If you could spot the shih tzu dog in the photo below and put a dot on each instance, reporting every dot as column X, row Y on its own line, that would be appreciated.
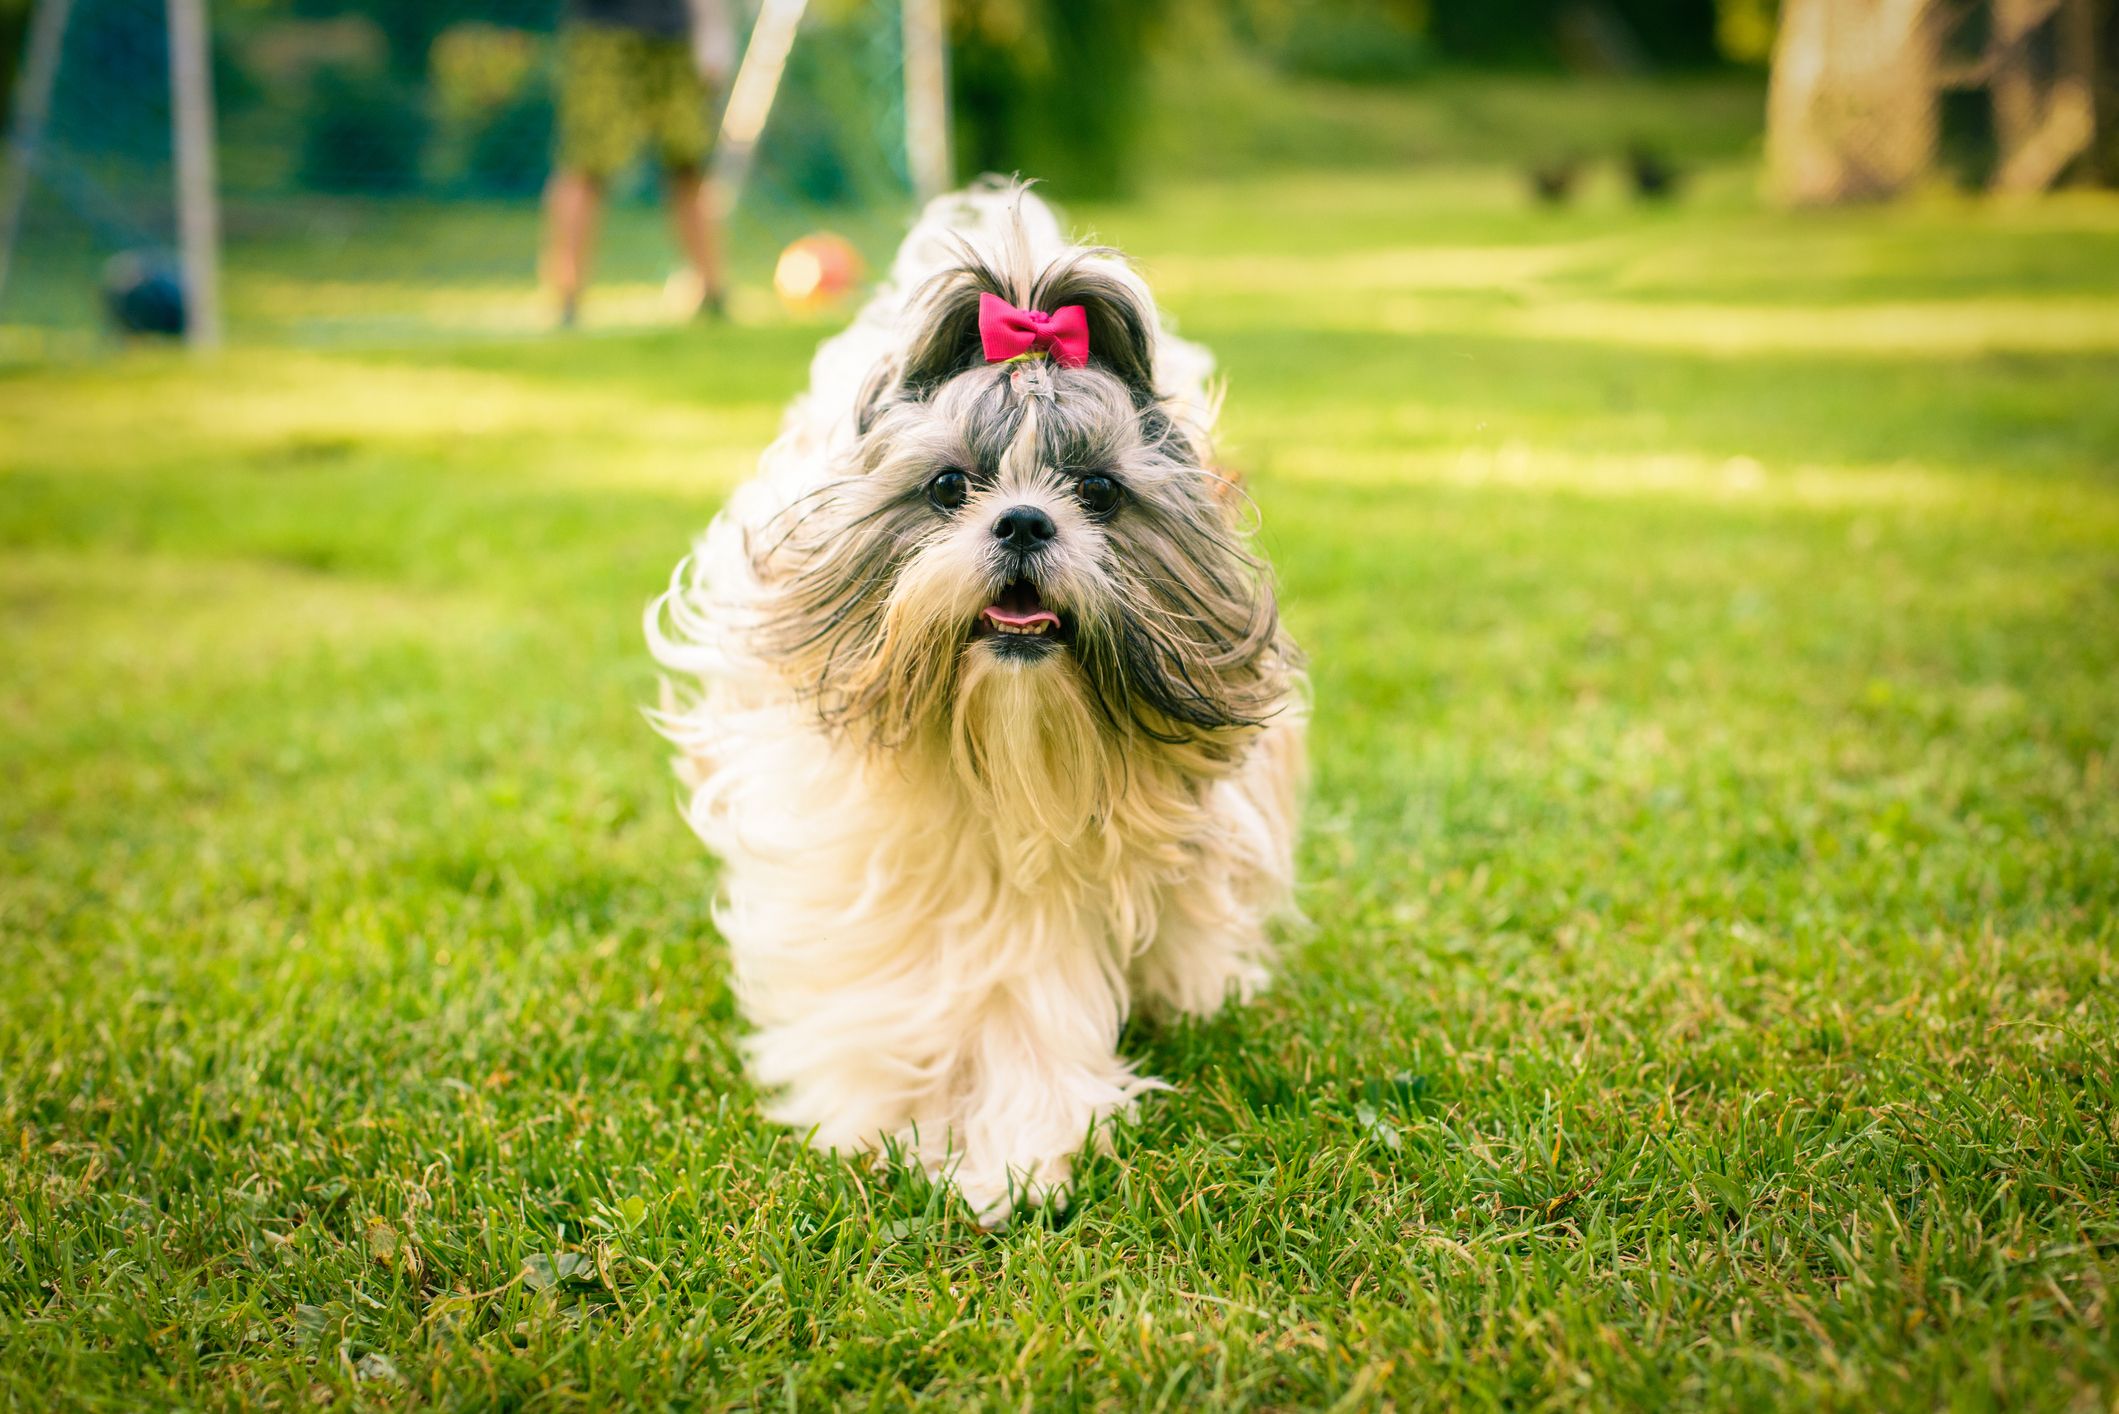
column 982, row 699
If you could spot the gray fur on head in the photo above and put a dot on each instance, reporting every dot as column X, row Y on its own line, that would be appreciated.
column 1171, row 617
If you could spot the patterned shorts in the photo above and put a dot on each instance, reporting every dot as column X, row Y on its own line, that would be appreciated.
column 618, row 89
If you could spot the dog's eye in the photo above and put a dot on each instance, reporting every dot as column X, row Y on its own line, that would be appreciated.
column 949, row 490
column 1099, row 494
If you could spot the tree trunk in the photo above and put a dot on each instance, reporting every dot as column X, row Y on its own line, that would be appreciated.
column 1851, row 110
column 2043, row 90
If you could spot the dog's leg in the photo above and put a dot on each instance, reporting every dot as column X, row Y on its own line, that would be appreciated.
column 995, row 1083
column 1211, row 943
column 852, row 1087
column 1210, row 948
column 1042, row 1075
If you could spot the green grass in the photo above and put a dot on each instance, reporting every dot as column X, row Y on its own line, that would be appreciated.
column 1221, row 111
column 1713, row 859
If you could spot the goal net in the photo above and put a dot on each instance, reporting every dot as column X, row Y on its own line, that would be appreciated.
column 380, row 164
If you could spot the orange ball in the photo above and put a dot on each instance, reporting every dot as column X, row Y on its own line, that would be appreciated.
column 816, row 271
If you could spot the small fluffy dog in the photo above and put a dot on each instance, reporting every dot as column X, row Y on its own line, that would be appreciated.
column 982, row 699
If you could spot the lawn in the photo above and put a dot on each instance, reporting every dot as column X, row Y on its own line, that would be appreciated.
column 1711, row 996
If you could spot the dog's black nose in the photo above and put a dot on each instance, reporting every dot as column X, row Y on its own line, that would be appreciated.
column 1024, row 528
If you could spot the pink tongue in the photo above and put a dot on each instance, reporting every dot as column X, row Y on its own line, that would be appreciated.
column 1019, row 619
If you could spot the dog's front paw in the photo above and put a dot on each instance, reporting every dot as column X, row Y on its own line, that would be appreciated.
column 1199, row 982
column 995, row 1194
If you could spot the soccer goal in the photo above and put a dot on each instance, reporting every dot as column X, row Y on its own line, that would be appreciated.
column 311, row 171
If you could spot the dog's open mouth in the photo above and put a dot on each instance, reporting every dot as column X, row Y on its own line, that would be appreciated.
column 1018, row 617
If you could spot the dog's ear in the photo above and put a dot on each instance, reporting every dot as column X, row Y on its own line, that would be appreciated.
column 876, row 390
column 946, row 341
column 1122, row 321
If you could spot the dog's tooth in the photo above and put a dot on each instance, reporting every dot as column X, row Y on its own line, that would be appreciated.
column 1043, row 628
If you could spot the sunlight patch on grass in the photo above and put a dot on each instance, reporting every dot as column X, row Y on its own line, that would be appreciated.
column 1943, row 329
column 299, row 305
column 1539, row 469
column 1898, row 329
column 111, row 627
column 1398, row 270
column 1974, row 248
column 302, row 407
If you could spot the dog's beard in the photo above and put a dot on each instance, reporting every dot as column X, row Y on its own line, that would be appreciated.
column 1048, row 677
column 1035, row 755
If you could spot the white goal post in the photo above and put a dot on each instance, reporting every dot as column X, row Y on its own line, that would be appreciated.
column 198, row 201
column 197, row 198
column 68, row 39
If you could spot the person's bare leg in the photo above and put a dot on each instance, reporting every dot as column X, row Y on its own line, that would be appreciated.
column 572, row 202
column 691, row 203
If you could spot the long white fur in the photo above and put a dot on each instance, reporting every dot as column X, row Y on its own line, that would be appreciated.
column 938, row 952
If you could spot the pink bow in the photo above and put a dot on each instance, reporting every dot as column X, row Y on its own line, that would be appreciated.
column 1007, row 331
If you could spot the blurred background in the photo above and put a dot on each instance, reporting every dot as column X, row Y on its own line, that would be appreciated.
column 377, row 163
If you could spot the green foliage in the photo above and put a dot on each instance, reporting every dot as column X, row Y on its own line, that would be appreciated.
column 1669, row 33
column 511, row 146
column 362, row 131
column 1361, row 44
column 492, row 86
column 1051, row 88
column 1713, row 858
column 1744, row 29
column 1361, row 41
column 14, row 34
column 1227, row 111
column 410, row 27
